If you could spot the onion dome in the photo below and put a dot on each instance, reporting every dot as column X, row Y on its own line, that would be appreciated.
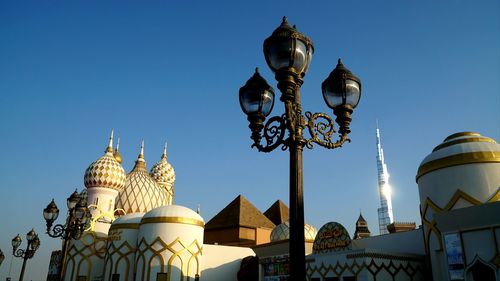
column 162, row 172
column 116, row 154
column 106, row 171
column 282, row 232
column 460, row 149
column 141, row 192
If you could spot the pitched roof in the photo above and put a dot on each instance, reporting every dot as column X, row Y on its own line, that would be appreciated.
column 240, row 212
column 278, row 213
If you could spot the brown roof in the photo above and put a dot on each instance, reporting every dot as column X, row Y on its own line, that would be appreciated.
column 278, row 213
column 240, row 212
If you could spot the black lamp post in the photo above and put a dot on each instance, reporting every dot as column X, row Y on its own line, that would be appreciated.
column 33, row 245
column 2, row 257
column 288, row 53
column 77, row 221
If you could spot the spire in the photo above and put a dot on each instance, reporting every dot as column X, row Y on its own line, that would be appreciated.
column 385, row 216
column 141, row 155
column 198, row 209
column 110, row 143
column 140, row 163
column 116, row 154
column 164, row 155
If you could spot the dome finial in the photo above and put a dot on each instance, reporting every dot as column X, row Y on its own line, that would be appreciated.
column 141, row 155
column 116, row 154
column 164, row 155
column 110, row 143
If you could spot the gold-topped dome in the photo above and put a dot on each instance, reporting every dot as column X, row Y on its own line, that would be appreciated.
column 106, row 171
column 162, row 172
column 141, row 192
column 460, row 149
column 117, row 154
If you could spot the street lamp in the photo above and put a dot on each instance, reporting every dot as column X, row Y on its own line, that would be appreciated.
column 288, row 53
column 77, row 221
column 33, row 245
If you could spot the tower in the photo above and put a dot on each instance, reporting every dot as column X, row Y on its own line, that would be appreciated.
column 362, row 230
column 385, row 216
column 104, row 179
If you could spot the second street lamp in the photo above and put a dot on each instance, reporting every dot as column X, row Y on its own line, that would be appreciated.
column 76, row 222
column 31, row 247
column 288, row 53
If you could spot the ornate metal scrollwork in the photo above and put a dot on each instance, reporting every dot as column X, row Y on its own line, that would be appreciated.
column 321, row 128
column 274, row 134
column 56, row 231
column 27, row 254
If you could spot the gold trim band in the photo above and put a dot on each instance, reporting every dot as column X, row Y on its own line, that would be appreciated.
column 462, row 134
column 124, row 226
column 450, row 143
column 459, row 159
column 173, row 220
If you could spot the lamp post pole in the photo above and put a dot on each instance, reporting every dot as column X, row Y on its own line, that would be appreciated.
column 288, row 54
column 76, row 222
column 31, row 247
column 2, row 257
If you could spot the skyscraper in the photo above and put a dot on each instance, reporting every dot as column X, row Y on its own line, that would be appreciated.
column 385, row 216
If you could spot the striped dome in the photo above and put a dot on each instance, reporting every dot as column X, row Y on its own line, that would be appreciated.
column 282, row 232
column 141, row 192
column 460, row 149
column 105, row 172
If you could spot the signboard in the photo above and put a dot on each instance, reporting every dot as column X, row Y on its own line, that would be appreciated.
column 454, row 255
column 332, row 237
column 276, row 268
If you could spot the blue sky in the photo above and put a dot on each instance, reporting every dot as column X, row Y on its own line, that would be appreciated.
column 170, row 71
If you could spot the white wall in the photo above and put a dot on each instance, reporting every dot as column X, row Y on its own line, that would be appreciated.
column 222, row 262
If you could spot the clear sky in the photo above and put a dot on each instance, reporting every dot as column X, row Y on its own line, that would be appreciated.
column 171, row 70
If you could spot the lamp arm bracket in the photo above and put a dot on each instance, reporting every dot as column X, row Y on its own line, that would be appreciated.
column 321, row 129
column 57, row 231
column 274, row 134
column 19, row 253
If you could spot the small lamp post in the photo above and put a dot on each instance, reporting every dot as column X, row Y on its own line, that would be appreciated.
column 2, row 257
column 288, row 53
column 29, row 252
column 77, row 221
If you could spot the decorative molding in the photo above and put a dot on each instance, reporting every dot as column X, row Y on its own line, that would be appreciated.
column 76, row 257
column 181, row 220
column 146, row 253
column 115, row 255
column 125, row 226
column 430, row 225
column 372, row 267
column 458, row 159
column 466, row 140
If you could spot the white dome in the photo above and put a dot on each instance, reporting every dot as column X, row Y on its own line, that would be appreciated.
column 282, row 232
column 128, row 219
column 173, row 214
column 459, row 149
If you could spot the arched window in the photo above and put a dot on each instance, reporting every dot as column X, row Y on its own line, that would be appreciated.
column 480, row 272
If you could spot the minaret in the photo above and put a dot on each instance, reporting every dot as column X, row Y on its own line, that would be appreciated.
column 385, row 216
column 104, row 180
